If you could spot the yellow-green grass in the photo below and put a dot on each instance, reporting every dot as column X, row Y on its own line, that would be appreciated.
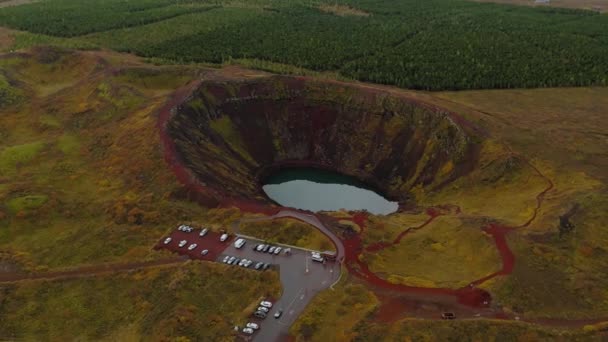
column 333, row 314
column 445, row 253
column 468, row 330
column 12, row 158
column 92, row 151
column 164, row 303
column 387, row 228
column 288, row 231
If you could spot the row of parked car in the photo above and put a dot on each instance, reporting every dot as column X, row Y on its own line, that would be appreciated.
column 183, row 243
column 276, row 250
column 232, row 260
column 188, row 229
column 264, row 309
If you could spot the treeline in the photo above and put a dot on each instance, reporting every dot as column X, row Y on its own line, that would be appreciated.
column 431, row 45
column 69, row 18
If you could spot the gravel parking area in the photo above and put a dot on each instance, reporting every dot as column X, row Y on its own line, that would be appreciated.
column 211, row 242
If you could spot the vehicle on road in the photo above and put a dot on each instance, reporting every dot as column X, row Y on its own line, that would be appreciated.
column 260, row 314
column 226, row 258
column 253, row 326
column 204, row 252
column 448, row 315
column 316, row 256
column 278, row 313
column 239, row 243
column 167, row 240
column 263, row 309
column 203, row 232
column 192, row 246
column 277, row 250
column 248, row 331
column 182, row 243
column 223, row 237
column 258, row 265
column 271, row 250
column 266, row 304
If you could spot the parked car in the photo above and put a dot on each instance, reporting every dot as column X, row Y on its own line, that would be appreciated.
column 260, row 247
column 448, row 315
column 266, row 304
column 255, row 248
column 237, row 261
column 253, row 326
column 224, row 237
column 263, row 309
column 182, row 243
column 248, row 263
column 271, row 250
column 203, row 232
column 239, row 243
column 316, row 256
column 260, row 314
column 231, row 260
column 242, row 262
column 266, row 266
column 259, row 265
column 192, row 246
column 204, row 252
column 248, row 331
column 277, row 250
column 185, row 228
column 226, row 258
column 167, row 240
column 287, row 251
column 278, row 313
column 266, row 248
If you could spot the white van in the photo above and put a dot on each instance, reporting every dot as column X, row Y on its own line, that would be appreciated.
column 239, row 243
column 316, row 256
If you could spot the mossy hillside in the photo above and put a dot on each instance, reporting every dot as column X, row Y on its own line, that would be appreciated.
column 95, row 158
column 162, row 303
column 459, row 252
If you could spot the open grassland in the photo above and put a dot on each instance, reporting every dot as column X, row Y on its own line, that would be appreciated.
column 595, row 5
column 431, row 45
column 332, row 315
column 460, row 253
column 288, row 231
column 169, row 303
column 80, row 164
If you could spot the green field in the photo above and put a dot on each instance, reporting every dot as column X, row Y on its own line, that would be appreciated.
column 431, row 45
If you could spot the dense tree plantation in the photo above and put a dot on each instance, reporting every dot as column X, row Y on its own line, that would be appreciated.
column 68, row 18
column 432, row 45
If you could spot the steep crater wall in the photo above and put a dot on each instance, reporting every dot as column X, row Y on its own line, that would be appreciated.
column 232, row 134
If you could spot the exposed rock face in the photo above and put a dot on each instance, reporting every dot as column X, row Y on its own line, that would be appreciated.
column 230, row 135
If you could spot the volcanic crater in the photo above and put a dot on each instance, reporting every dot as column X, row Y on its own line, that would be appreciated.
column 230, row 135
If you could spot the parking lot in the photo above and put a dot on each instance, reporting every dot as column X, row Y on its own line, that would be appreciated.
column 210, row 242
column 301, row 277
